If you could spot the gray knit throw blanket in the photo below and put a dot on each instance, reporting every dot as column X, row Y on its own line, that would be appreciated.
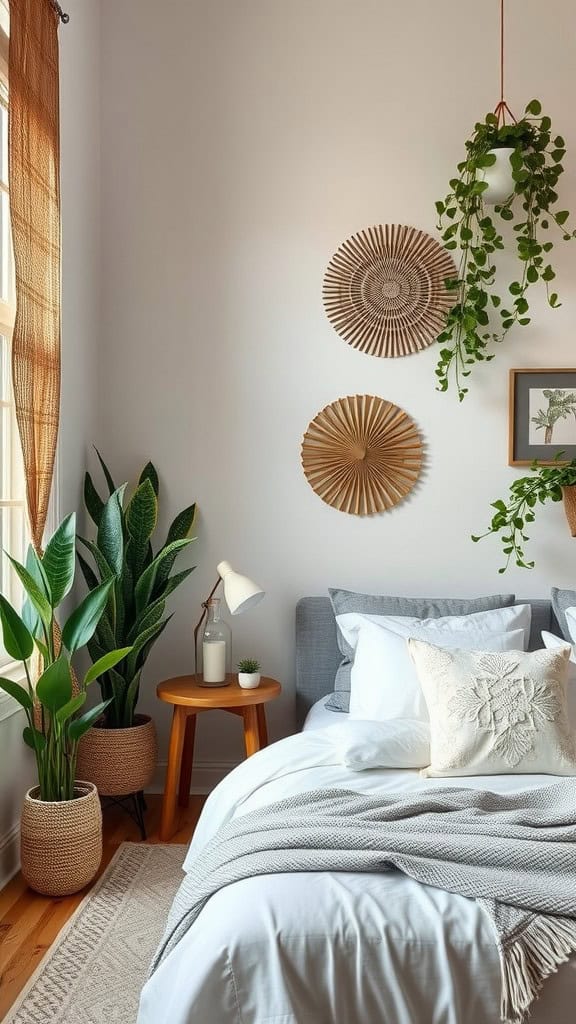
column 515, row 854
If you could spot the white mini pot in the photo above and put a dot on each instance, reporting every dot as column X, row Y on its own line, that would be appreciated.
column 498, row 176
column 248, row 680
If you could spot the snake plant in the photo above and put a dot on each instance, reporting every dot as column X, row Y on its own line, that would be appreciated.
column 52, row 706
column 140, row 581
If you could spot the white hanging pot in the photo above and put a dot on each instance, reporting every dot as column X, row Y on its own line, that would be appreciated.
column 499, row 177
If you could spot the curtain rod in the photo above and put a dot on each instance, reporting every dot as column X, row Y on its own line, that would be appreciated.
column 64, row 18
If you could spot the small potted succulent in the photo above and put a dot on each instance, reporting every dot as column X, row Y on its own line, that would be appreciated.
column 555, row 482
column 248, row 673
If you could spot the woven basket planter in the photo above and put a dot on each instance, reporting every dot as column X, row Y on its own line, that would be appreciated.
column 61, row 842
column 569, row 495
column 119, row 761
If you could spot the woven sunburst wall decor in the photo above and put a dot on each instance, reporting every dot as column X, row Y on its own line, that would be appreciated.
column 384, row 290
column 362, row 454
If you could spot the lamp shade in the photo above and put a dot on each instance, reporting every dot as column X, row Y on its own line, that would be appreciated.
column 240, row 593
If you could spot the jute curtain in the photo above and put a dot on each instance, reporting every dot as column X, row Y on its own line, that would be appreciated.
column 34, row 179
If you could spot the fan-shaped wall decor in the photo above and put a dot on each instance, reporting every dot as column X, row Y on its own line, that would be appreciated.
column 362, row 454
column 385, row 292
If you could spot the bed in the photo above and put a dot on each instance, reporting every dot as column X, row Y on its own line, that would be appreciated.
column 336, row 948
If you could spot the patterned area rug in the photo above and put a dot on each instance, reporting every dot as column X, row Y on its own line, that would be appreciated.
column 94, row 972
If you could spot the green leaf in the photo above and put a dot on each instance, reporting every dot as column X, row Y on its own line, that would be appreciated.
column 17, row 692
column 70, row 708
column 106, row 471
column 59, row 560
column 147, row 581
column 143, row 641
column 34, row 739
column 562, row 216
column 141, row 519
column 54, row 687
column 174, row 581
column 532, row 275
column 18, row 640
column 104, row 664
column 110, row 539
column 92, row 500
column 80, row 725
column 81, row 625
column 181, row 525
column 37, row 597
column 101, row 563
column 534, row 107
column 88, row 573
column 149, row 473
column 149, row 617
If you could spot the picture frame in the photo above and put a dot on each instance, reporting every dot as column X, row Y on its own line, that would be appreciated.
column 542, row 416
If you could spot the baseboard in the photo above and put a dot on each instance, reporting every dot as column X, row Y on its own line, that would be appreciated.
column 205, row 776
column 9, row 854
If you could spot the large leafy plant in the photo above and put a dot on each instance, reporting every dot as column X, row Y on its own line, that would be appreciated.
column 140, row 581
column 468, row 227
column 52, row 707
column 513, row 516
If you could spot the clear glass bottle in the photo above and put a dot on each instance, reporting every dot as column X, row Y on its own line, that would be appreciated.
column 216, row 647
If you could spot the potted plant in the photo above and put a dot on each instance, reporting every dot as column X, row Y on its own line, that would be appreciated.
column 527, row 158
column 61, row 827
column 547, row 483
column 248, row 673
column 119, row 754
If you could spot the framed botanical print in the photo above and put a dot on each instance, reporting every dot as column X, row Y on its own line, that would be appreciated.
column 542, row 416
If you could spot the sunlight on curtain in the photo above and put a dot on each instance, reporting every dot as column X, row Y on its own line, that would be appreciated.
column 34, row 175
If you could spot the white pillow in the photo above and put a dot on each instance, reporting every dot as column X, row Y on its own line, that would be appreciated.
column 496, row 714
column 383, row 680
column 497, row 620
column 399, row 744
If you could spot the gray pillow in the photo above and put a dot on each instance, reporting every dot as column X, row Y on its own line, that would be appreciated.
column 561, row 600
column 420, row 607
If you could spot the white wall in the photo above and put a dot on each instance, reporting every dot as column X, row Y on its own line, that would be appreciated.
column 80, row 134
column 242, row 142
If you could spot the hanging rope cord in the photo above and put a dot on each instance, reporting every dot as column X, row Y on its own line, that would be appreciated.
column 502, row 107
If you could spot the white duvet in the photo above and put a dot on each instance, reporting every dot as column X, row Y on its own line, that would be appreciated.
column 335, row 948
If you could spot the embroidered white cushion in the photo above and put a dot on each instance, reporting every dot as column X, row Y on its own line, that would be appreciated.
column 383, row 680
column 553, row 642
column 496, row 713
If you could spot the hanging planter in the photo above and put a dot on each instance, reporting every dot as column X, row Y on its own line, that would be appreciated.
column 554, row 482
column 513, row 167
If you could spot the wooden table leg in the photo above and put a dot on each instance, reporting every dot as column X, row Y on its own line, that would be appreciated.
column 251, row 734
column 262, row 728
column 168, row 819
column 187, row 760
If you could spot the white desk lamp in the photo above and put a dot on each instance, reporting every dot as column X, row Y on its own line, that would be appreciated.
column 240, row 594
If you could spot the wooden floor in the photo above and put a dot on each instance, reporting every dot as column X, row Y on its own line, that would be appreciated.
column 30, row 923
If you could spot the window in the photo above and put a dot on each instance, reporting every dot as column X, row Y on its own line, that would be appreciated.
column 12, row 490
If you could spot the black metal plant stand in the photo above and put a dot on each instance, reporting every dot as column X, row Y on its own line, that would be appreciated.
column 133, row 804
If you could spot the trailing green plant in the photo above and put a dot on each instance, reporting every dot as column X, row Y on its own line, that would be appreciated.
column 249, row 665
column 141, row 581
column 51, row 706
column 528, row 492
column 467, row 226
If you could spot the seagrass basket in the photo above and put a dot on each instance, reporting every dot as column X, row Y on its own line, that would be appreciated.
column 569, row 495
column 119, row 761
column 61, row 841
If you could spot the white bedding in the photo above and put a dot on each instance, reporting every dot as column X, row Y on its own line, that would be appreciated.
column 319, row 716
column 335, row 948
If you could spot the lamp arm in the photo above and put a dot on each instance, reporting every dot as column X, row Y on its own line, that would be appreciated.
column 201, row 620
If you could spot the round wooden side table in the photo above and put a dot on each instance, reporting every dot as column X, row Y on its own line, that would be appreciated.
column 189, row 698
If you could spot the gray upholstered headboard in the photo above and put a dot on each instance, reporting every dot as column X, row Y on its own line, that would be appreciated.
column 318, row 657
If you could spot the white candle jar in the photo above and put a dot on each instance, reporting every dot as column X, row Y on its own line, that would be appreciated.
column 216, row 647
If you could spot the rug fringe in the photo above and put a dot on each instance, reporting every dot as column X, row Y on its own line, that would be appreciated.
column 535, row 953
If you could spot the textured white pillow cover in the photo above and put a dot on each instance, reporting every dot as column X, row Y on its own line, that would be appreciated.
column 384, row 683
column 496, row 713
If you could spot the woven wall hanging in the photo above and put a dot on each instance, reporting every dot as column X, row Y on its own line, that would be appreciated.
column 362, row 454
column 384, row 290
